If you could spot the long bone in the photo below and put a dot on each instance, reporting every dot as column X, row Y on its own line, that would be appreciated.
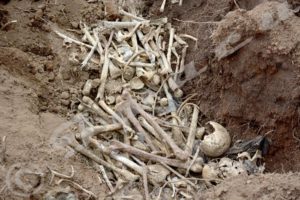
column 81, row 149
column 87, row 100
column 116, row 145
column 115, row 116
column 125, row 108
column 178, row 152
column 104, row 73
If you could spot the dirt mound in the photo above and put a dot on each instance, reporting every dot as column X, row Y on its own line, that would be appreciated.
column 269, row 186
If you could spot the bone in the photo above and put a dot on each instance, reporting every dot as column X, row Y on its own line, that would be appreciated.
column 71, row 39
column 192, row 133
column 131, row 33
column 162, row 7
column 125, row 108
column 89, row 56
column 171, row 38
column 96, row 108
column 178, row 93
column 115, row 116
column 106, row 179
column 114, row 71
column 166, row 68
column 81, row 149
column 120, row 25
column 104, row 73
column 87, row 87
column 95, row 130
column 143, row 154
column 178, row 152
column 123, row 12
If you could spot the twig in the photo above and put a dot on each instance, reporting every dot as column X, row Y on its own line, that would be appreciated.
column 55, row 173
column 78, row 186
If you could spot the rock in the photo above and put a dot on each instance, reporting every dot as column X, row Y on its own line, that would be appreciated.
column 65, row 102
column 65, row 95
column 74, row 25
column 51, row 76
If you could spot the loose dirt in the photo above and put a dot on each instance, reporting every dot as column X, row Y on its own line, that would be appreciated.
column 251, row 92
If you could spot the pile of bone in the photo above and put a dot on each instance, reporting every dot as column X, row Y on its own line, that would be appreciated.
column 135, row 116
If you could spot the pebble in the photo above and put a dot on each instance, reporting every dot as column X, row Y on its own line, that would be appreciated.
column 51, row 76
column 74, row 25
column 65, row 102
column 65, row 95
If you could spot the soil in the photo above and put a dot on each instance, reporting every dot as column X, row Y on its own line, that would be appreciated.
column 251, row 92
column 269, row 186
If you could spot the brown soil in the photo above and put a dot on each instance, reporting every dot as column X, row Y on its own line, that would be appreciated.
column 251, row 92
column 269, row 186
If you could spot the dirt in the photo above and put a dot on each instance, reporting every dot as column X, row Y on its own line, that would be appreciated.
column 251, row 92
column 269, row 186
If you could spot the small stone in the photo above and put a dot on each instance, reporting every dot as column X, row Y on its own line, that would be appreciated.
column 51, row 76
column 65, row 95
column 74, row 25
column 73, row 91
column 65, row 102
column 248, row 182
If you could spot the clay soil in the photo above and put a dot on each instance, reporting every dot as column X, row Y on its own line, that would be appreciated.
column 251, row 92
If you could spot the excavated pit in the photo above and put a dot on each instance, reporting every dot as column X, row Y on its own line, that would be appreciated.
column 253, row 91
